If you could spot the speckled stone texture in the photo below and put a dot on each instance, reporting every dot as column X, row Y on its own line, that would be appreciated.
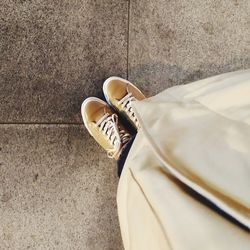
column 57, row 187
column 55, row 53
column 179, row 41
column 56, row 190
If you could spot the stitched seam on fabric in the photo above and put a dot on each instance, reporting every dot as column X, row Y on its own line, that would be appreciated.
column 126, row 169
column 157, row 218
column 127, row 231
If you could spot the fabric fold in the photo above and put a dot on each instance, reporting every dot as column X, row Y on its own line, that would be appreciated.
column 193, row 136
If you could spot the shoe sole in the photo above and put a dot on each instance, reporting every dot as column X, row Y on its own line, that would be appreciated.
column 85, row 102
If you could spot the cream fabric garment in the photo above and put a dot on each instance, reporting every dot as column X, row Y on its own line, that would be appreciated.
column 194, row 143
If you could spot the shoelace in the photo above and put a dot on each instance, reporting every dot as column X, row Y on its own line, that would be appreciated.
column 108, row 125
column 125, row 102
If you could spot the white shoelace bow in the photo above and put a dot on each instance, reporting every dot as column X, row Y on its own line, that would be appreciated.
column 108, row 125
column 126, row 104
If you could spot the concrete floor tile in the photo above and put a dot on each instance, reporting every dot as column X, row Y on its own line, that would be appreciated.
column 56, row 53
column 176, row 42
column 57, row 190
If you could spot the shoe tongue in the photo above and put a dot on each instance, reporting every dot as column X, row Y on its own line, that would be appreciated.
column 122, row 92
column 129, row 89
column 135, row 93
column 101, row 112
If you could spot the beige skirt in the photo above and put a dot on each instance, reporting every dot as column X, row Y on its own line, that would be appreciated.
column 186, row 181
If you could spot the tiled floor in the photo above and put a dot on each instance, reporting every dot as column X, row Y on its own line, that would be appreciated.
column 57, row 187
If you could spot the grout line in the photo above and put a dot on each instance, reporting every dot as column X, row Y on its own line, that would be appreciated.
column 79, row 124
column 128, row 22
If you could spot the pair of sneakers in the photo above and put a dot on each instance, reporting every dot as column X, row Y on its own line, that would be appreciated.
column 102, row 121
